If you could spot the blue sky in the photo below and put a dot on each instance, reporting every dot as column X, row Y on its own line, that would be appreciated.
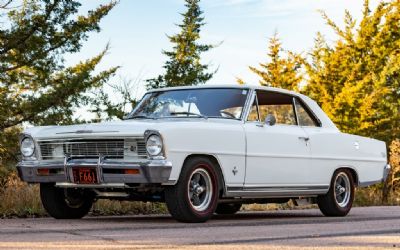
column 137, row 32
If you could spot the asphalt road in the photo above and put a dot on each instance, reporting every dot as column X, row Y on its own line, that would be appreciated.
column 363, row 228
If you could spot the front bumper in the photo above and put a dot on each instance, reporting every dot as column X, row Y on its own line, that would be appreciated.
column 109, row 171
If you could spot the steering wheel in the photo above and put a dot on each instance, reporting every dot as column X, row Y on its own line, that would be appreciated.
column 226, row 113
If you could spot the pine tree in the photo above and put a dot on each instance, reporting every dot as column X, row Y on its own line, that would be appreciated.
column 35, row 85
column 281, row 71
column 356, row 80
column 183, row 66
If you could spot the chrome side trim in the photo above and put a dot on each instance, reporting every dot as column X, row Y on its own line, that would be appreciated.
column 276, row 191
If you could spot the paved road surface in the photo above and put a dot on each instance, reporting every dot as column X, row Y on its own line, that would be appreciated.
column 363, row 228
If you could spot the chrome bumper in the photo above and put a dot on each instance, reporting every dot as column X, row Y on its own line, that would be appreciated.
column 150, row 171
column 386, row 171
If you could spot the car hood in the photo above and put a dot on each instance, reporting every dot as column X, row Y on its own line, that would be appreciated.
column 120, row 128
column 104, row 129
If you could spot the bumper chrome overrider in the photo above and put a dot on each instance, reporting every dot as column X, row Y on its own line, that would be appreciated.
column 150, row 171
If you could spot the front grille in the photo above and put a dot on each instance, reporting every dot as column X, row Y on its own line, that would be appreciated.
column 141, row 147
column 111, row 148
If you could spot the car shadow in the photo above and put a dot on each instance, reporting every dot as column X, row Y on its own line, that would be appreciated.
column 241, row 216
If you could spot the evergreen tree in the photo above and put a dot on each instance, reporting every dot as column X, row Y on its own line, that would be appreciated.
column 35, row 85
column 281, row 71
column 356, row 80
column 183, row 66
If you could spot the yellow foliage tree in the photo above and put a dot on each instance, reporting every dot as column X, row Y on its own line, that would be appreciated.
column 283, row 68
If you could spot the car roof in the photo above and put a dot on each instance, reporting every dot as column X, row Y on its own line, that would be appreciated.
column 320, row 114
column 236, row 86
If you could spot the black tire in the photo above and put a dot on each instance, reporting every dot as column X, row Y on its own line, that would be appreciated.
column 181, row 201
column 228, row 208
column 338, row 201
column 63, row 203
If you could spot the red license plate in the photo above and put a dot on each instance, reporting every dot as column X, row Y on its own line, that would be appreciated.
column 85, row 175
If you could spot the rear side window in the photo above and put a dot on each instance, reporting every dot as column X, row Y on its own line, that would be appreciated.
column 304, row 116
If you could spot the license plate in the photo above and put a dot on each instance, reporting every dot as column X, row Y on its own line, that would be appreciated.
column 85, row 175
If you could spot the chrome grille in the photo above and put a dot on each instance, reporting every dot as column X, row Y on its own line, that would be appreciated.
column 112, row 148
column 141, row 146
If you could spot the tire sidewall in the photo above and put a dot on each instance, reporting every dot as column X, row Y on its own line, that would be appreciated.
column 208, row 166
column 347, row 208
column 53, row 200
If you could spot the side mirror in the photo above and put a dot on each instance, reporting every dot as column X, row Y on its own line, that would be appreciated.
column 270, row 120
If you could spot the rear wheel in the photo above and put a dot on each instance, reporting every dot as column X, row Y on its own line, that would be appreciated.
column 194, row 198
column 339, row 199
column 63, row 203
column 228, row 208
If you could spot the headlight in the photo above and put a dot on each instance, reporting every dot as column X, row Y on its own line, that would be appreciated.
column 27, row 147
column 154, row 145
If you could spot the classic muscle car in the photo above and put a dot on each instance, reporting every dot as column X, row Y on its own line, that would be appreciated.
column 203, row 150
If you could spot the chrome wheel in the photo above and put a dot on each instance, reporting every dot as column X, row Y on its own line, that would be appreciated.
column 342, row 189
column 200, row 190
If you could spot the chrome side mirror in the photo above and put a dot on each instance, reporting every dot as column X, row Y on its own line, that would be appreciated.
column 270, row 120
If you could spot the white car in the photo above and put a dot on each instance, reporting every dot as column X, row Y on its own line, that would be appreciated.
column 203, row 150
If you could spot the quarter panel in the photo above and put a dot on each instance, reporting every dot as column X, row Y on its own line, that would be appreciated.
column 332, row 150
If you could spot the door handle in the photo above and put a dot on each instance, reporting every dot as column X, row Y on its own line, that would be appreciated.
column 304, row 138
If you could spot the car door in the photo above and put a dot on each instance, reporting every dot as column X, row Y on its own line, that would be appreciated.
column 277, row 156
column 324, row 144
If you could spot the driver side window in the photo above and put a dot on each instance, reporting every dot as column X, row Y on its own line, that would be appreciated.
column 273, row 103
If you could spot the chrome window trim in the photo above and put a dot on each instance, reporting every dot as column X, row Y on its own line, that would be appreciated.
column 248, row 89
column 248, row 105
column 309, row 111
column 254, row 96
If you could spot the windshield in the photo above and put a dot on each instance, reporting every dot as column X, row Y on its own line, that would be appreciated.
column 225, row 103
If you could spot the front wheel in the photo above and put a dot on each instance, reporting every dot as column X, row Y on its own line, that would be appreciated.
column 62, row 203
column 194, row 198
column 339, row 199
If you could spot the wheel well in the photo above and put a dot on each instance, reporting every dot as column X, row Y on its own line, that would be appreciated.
column 221, row 179
column 353, row 173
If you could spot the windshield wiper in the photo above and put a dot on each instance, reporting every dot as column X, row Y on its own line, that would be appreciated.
column 188, row 114
column 140, row 117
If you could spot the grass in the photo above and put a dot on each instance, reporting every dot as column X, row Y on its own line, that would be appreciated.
column 372, row 196
column 19, row 199
column 22, row 200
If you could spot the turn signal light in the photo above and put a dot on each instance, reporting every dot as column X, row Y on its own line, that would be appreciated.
column 131, row 171
column 43, row 171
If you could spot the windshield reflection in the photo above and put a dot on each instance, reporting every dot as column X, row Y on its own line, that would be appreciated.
column 226, row 103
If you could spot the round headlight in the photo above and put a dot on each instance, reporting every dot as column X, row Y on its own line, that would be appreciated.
column 27, row 147
column 154, row 145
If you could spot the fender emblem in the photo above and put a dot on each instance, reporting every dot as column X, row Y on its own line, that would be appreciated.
column 234, row 170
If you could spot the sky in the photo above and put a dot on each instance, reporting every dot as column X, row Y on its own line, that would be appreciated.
column 136, row 31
